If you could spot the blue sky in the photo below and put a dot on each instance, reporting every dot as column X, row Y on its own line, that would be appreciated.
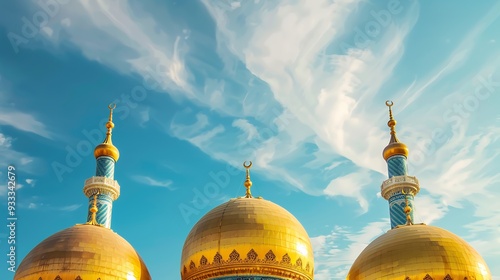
column 298, row 87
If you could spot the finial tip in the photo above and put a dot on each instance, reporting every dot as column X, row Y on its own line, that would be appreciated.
column 247, row 166
column 389, row 103
column 112, row 106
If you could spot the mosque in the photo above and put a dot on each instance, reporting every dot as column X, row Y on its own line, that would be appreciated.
column 250, row 238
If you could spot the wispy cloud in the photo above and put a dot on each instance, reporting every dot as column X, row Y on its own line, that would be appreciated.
column 144, row 116
column 5, row 141
column 34, row 204
column 30, row 182
column 13, row 157
column 12, row 116
column 149, row 181
column 335, row 252
column 70, row 208
column 325, row 97
column 456, row 59
column 126, row 39
column 350, row 185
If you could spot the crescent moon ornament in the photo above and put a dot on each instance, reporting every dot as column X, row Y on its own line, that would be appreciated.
column 247, row 166
column 112, row 106
column 389, row 103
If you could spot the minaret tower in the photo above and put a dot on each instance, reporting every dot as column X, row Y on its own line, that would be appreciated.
column 400, row 188
column 102, row 189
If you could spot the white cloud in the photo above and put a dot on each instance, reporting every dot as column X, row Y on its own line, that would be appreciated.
column 146, row 180
column 335, row 252
column 5, row 141
column 128, row 40
column 247, row 128
column 23, row 121
column 350, row 185
column 48, row 31
column 70, row 208
column 14, row 158
column 31, row 182
column 66, row 22
column 428, row 209
column 144, row 116
column 323, row 95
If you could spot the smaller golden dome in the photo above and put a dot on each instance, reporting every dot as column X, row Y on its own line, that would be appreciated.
column 395, row 147
column 106, row 148
column 85, row 251
column 415, row 251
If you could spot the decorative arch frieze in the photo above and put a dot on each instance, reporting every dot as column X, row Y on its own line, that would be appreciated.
column 280, row 266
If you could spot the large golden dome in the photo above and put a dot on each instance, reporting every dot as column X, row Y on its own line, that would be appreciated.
column 247, row 236
column 419, row 252
column 85, row 251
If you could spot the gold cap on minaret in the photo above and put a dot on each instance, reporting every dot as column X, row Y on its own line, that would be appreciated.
column 106, row 148
column 394, row 147
column 248, row 183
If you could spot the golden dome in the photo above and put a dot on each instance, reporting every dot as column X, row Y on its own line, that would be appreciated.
column 87, row 251
column 395, row 148
column 416, row 251
column 247, row 236
column 106, row 148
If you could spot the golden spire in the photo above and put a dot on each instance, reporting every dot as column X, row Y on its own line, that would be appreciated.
column 106, row 148
column 248, row 183
column 394, row 147
column 407, row 208
column 94, row 210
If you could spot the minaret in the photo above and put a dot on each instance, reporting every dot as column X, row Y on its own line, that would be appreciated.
column 102, row 189
column 400, row 189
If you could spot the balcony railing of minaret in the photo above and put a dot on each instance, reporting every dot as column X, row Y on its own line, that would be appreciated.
column 395, row 184
column 103, row 183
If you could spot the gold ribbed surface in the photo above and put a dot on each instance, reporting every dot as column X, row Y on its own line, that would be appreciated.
column 87, row 251
column 245, row 234
column 395, row 148
column 416, row 251
column 106, row 149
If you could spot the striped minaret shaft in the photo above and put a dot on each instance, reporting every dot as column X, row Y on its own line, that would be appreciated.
column 397, row 166
column 400, row 189
column 103, row 184
column 105, row 167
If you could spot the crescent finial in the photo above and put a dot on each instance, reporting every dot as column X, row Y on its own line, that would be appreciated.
column 248, row 182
